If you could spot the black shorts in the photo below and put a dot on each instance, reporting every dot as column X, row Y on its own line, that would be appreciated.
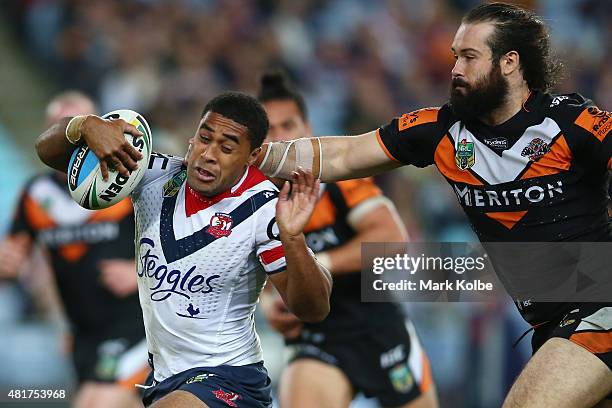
column 388, row 364
column 586, row 324
column 245, row 386
column 116, row 359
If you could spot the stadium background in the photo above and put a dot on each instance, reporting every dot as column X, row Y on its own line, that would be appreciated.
column 358, row 62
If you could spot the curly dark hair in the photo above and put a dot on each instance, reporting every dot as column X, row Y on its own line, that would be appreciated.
column 520, row 30
column 275, row 85
column 243, row 109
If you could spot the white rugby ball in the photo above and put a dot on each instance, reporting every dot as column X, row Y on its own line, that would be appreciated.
column 85, row 182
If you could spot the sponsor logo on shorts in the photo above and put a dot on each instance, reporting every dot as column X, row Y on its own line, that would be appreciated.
column 401, row 378
column 229, row 398
column 199, row 378
column 567, row 322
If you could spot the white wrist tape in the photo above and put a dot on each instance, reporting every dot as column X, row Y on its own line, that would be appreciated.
column 283, row 158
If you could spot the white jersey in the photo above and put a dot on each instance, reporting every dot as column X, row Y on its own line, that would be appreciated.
column 202, row 264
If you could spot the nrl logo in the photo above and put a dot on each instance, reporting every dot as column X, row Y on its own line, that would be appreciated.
column 173, row 185
column 535, row 149
column 220, row 225
column 465, row 157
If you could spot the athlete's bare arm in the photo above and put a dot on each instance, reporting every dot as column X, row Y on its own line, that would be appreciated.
column 104, row 138
column 330, row 158
column 305, row 286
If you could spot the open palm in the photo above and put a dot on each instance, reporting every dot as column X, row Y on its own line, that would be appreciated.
column 293, row 211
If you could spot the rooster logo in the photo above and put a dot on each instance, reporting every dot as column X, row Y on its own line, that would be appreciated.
column 220, row 225
column 193, row 311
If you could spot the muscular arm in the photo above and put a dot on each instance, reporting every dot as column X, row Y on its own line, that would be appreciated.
column 305, row 286
column 53, row 148
column 104, row 137
column 337, row 158
column 380, row 224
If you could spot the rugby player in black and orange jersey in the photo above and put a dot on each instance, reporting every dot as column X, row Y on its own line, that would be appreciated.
column 359, row 347
column 526, row 165
column 92, row 259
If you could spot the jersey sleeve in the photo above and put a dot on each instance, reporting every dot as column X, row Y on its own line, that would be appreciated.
column 269, row 248
column 412, row 138
column 360, row 197
column 592, row 129
column 159, row 165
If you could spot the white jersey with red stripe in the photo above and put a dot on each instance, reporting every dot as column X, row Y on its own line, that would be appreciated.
column 202, row 263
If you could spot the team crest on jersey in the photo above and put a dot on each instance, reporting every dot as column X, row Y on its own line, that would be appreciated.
column 465, row 157
column 401, row 378
column 220, row 225
column 535, row 149
column 173, row 185
column 229, row 398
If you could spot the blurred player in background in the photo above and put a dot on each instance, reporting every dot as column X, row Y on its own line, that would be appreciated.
column 91, row 256
column 211, row 230
column 360, row 347
column 500, row 139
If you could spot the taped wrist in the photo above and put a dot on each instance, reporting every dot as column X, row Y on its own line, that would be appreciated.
column 281, row 159
column 73, row 130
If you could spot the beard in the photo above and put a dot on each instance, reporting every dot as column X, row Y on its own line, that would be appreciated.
column 487, row 94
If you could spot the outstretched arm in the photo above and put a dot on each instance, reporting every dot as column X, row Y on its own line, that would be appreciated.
column 104, row 137
column 305, row 286
column 329, row 158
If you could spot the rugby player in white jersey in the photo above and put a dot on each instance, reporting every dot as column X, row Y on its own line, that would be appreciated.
column 210, row 229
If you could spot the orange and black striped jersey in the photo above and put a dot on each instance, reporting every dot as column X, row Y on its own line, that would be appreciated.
column 332, row 225
column 76, row 240
column 541, row 176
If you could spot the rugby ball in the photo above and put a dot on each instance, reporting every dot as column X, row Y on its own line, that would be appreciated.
column 85, row 182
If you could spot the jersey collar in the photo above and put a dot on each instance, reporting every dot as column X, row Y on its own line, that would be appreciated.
column 195, row 201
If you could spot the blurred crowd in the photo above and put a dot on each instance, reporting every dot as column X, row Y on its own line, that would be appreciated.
column 358, row 62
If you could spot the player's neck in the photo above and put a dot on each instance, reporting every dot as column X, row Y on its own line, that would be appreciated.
column 517, row 96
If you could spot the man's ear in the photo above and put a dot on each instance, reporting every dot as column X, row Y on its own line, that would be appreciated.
column 253, row 156
column 186, row 158
column 510, row 62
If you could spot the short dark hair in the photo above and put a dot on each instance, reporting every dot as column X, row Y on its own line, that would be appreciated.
column 243, row 109
column 520, row 30
column 275, row 85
